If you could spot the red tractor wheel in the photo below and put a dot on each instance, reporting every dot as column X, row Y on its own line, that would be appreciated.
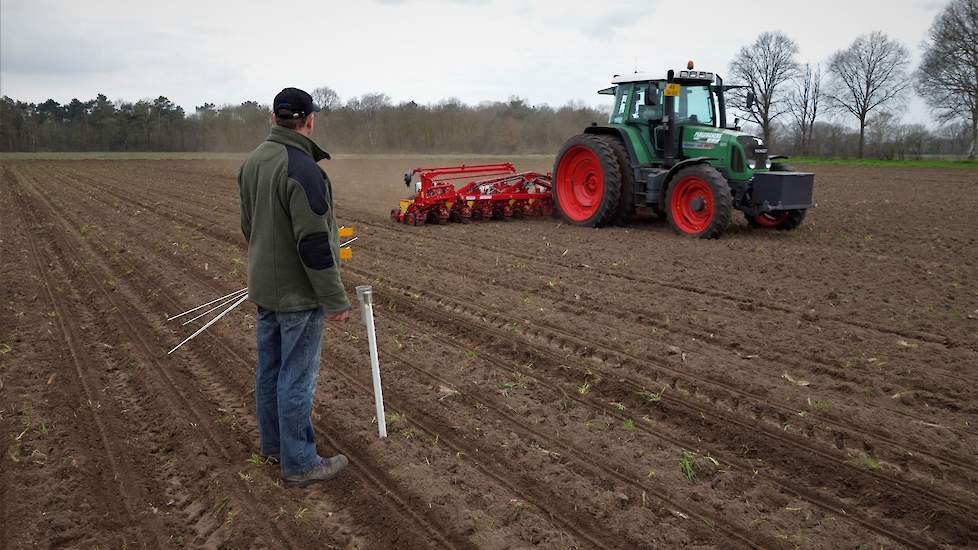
column 587, row 181
column 782, row 221
column 698, row 203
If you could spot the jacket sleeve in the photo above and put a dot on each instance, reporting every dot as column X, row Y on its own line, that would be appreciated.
column 313, row 236
column 245, row 210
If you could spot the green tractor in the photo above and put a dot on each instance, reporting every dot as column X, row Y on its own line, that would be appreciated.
column 667, row 146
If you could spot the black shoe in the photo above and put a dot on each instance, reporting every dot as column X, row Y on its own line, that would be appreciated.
column 325, row 471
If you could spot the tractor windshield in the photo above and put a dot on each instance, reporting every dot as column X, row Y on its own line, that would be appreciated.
column 695, row 105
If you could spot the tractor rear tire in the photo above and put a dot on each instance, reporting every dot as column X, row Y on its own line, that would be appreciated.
column 699, row 204
column 587, row 181
column 626, row 202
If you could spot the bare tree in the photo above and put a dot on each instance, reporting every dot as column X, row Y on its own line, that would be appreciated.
column 764, row 68
column 804, row 102
column 870, row 74
column 948, row 74
column 326, row 98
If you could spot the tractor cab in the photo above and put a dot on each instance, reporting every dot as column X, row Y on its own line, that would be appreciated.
column 665, row 110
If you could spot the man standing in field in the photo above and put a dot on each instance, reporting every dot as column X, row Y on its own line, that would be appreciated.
column 293, row 275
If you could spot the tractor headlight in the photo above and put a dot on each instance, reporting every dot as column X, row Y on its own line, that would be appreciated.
column 752, row 164
column 767, row 164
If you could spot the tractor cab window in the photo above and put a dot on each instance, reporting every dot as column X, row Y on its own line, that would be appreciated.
column 623, row 96
column 647, row 104
column 695, row 106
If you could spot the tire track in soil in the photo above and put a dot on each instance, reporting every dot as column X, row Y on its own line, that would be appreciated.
column 500, row 478
column 785, row 410
column 384, row 485
column 482, row 322
column 225, row 237
column 909, row 544
column 122, row 481
column 827, row 504
column 177, row 398
column 928, row 400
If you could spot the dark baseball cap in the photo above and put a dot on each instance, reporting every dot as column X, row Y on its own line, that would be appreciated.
column 293, row 103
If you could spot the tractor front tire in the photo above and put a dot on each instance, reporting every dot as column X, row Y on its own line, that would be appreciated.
column 587, row 181
column 786, row 220
column 699, row 204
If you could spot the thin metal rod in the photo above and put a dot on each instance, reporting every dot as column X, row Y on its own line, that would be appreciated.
column 211, row 322
column 365, row 294
column 349, row 241
column 245, row 289
column 215, row 308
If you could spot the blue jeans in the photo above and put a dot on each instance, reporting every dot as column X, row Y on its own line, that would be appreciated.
column 289, row 346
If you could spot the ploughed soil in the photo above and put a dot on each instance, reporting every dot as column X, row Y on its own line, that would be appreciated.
column 546, row 385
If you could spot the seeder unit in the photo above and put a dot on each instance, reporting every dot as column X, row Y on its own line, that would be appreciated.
column 490, row 192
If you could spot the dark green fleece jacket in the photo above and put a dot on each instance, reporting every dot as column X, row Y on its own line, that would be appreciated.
column 287, row 218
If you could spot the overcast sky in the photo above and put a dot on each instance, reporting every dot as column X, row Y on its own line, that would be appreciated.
column 422, row 50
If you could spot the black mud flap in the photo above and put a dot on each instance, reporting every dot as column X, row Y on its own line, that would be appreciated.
column 782, row 191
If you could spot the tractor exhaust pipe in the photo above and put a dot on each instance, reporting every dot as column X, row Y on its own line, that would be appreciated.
column 672, row 135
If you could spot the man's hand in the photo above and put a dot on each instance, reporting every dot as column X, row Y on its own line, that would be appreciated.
column 340, row 317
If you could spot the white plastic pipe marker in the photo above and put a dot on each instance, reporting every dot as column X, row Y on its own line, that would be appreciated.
column 365, row 294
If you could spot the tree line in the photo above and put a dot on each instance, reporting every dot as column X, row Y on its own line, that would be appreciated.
column 799, row 108
column 867, row 83
column 363, row 124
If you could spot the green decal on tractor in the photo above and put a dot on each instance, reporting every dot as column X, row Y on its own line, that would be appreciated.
column 667, row 146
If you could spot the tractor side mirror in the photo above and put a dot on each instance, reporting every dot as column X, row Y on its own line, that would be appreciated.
column 407, row 179
column 751, row 100
column 649, row 98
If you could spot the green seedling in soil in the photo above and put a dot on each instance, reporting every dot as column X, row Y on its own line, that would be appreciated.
column 257, row 460
column 818, row 404
column 629, row 424
column 471, row 354
column 651, row 396
column 229, row 519
column 410, row 433
column 245, row 476
column 686, row 465
column 220, row 506
column 5, row 348
column 869, row 463
column 43, row 428
column 617, row 405
column 551, row 283
column 393, row 418
column 84, row 229
column 584, row 388
column 300, row 513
